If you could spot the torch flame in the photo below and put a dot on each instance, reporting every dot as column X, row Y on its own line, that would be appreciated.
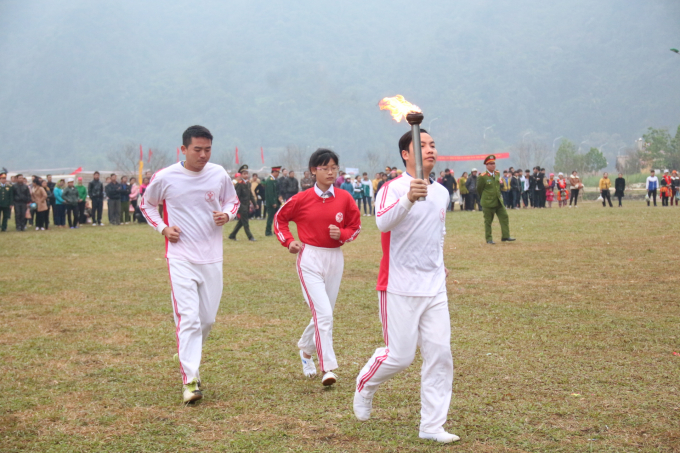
column 398, row 107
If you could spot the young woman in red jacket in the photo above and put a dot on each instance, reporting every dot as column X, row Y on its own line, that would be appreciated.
column 326, row 218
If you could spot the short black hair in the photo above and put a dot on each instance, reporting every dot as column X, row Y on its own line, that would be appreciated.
column 195, row 131
column 19, row 174
column 527, row 171
column 48, row 176
column 95, row 173
column 405, row 142
column 113, row 174
column 322, row 156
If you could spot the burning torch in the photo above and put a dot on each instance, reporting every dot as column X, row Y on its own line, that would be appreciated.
column 400, row 108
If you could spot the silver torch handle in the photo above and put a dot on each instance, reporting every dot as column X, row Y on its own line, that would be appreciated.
column 414, row 119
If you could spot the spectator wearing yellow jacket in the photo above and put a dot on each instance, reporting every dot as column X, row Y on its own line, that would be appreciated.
column 605, row 185
column 505, row 189
column 464, row 193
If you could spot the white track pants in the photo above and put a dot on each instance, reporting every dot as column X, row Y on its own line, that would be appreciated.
column 196, row 290
column 320, row 271
column 409, row 322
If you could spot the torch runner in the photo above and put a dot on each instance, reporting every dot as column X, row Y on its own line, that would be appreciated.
column 411, row 284
column 401, row 108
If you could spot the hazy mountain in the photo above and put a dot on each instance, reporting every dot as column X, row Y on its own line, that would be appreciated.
column 79, row 78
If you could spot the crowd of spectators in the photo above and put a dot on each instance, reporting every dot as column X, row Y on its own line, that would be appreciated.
column 74, row 204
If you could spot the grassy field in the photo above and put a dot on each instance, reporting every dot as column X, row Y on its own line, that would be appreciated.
column 563, row 341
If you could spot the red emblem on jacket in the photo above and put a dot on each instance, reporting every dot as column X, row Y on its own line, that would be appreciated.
column 338, row 217
column 209, row 196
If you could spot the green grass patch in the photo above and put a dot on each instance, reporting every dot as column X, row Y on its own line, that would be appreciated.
column 562, row 341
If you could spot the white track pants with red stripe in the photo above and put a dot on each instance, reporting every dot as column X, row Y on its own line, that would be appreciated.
column 408, row 322
column 320, row 271
column 196, row 293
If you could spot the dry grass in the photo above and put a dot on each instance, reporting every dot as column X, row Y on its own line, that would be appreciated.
column 562, row 341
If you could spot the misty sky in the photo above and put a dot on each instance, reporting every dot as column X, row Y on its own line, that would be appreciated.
column 79, row 79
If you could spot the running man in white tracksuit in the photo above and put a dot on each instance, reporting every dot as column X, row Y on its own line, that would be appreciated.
column 198, row 199
column 411, row 288
column 326, row 219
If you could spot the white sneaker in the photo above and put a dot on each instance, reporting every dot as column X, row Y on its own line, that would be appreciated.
column 191, row 392
column 308, row 367
column 37, row 228
column 329, row 378
column 362, row 406
column 439, row 437
column 42, row 229
column 570, row 206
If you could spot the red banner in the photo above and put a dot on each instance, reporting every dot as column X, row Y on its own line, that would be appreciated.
column 149, row 158
column 262, row 154
column 78, row 170
column 141, row 154
column 237, row 162
column 471, row 157
column 177, row 154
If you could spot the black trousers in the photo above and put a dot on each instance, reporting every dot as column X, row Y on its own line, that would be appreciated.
column 242, row 222
column 606, row 196
column 97, row 207
column 619, row 197
column 650, row 193
column 506, row 198
column 5, row 213
column 539, row 198
column 474, row 201
column 82, row 218
column 20, row 216
column 516, row 199
column 525, row 198
column 42, row 219
column 573, row 196
column 72, row 209
column 134, row 206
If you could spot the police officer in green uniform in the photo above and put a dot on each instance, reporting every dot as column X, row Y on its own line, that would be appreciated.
column 489, row 190
column 272, row 199
column 245, row 197
column 6, row 200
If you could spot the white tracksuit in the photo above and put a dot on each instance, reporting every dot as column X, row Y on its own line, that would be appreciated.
column 320, row 271
column 195, row 261
column 413, row 302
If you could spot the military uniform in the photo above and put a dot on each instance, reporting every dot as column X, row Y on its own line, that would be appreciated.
column 245, row 197
column 271, row 200
column 489, row 190
column 6, row 200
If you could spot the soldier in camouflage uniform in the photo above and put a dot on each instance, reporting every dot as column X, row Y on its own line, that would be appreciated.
column 245, row 197
column 272, row 198
column 489, row 190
